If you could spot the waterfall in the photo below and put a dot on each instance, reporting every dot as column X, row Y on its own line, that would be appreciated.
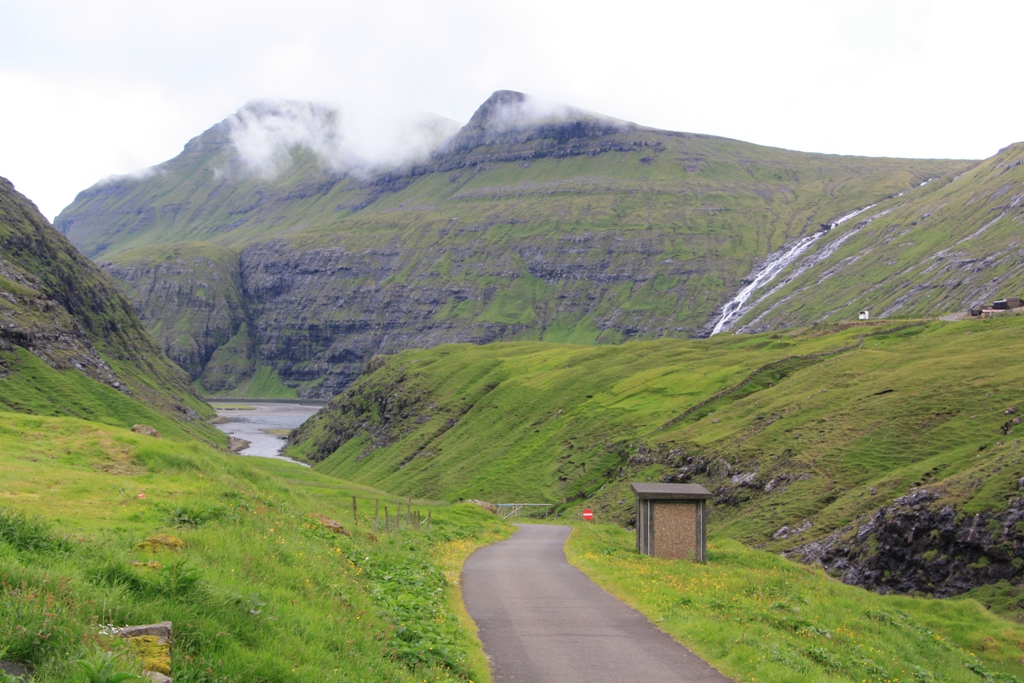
column 774, row 264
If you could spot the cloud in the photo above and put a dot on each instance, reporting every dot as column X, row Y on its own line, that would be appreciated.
column 137, row 175
column 346, row 139
column 507, row 110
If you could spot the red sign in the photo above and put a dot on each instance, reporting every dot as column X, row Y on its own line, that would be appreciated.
column 588, row 514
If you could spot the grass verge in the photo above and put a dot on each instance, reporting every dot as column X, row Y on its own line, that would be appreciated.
column 758, row 617
column 261, row 589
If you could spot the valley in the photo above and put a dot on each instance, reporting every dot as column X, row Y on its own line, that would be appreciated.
column 262, row 425
column 888, row 452
column 543, row 305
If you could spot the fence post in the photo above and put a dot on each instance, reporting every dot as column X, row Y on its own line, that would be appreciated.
column 387, row 521
column 355, row 510
column 376, row 515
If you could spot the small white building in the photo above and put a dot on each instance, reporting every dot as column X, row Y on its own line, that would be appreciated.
column 863, row 315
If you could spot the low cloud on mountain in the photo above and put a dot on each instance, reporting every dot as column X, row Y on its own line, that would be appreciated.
column 346, row 139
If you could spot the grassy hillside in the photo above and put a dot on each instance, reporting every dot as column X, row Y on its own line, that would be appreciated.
column 260, row 591
column 761, row 618
column 939, row 249
column 835, row 444
column 70, row 342
column 573, row 229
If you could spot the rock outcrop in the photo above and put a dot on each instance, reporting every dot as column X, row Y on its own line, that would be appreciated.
column 190, row 298
column 918, row 544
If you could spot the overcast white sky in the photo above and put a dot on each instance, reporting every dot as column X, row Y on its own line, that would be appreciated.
column 91, row 89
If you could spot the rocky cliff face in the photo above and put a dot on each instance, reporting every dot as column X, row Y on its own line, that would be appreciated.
column 58, row 306
column 190, row 298
column 322, row 313
column 532, row 222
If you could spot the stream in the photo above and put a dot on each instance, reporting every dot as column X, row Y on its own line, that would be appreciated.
column 773, row 265
column 263, row 423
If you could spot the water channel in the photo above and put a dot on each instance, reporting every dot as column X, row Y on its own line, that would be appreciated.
column 263, row 423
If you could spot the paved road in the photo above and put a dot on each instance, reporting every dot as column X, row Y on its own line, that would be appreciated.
column 543, row 621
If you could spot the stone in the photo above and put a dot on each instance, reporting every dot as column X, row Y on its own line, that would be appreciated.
column 162, row 630
column 158, row 677
column 20, row 672
column 745, row 479
column 331, row 524
column 153, row 643
column 785, row 532
column 146, row 430
column 161, row 542
column 490, row 507
column 236, row 445
column 916, row 544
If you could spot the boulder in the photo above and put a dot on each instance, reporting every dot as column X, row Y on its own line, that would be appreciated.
column 153, row 643
column 490, row 507
column 146, row 430
column 20, row 672
column 331, row 524
column 236, row 445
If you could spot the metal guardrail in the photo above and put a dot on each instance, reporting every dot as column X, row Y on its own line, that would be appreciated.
column 507, row 510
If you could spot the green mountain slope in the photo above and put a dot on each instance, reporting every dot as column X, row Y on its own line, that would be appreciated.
column 558, row 226
column 890, row 453
column 262, row 589
column 937, row 250
column 234, row 551
column 70, row 342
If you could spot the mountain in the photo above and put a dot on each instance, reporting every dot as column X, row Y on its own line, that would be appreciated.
column 70, row 342
column 890, row 453
column 269, row 254
column 941, row 249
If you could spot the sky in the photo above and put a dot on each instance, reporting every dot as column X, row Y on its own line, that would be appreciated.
column 89, row 90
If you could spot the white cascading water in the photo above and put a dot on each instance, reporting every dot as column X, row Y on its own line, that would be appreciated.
column 774, row 265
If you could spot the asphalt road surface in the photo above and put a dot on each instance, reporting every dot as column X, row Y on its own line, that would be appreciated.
column 542, row 620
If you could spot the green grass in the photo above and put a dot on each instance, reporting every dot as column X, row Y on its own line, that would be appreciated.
column 35, row 388
column 526, row 420
column 758, row 617
column 63, row 315
column 264, row 383
column 818, row 430
column 260, row 592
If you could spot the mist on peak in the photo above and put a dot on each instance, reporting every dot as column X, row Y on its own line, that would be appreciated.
column 347, row 139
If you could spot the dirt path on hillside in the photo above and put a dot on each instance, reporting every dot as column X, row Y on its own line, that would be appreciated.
column 543, row 621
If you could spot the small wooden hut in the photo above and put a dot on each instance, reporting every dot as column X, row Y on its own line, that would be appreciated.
column 671, row 520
